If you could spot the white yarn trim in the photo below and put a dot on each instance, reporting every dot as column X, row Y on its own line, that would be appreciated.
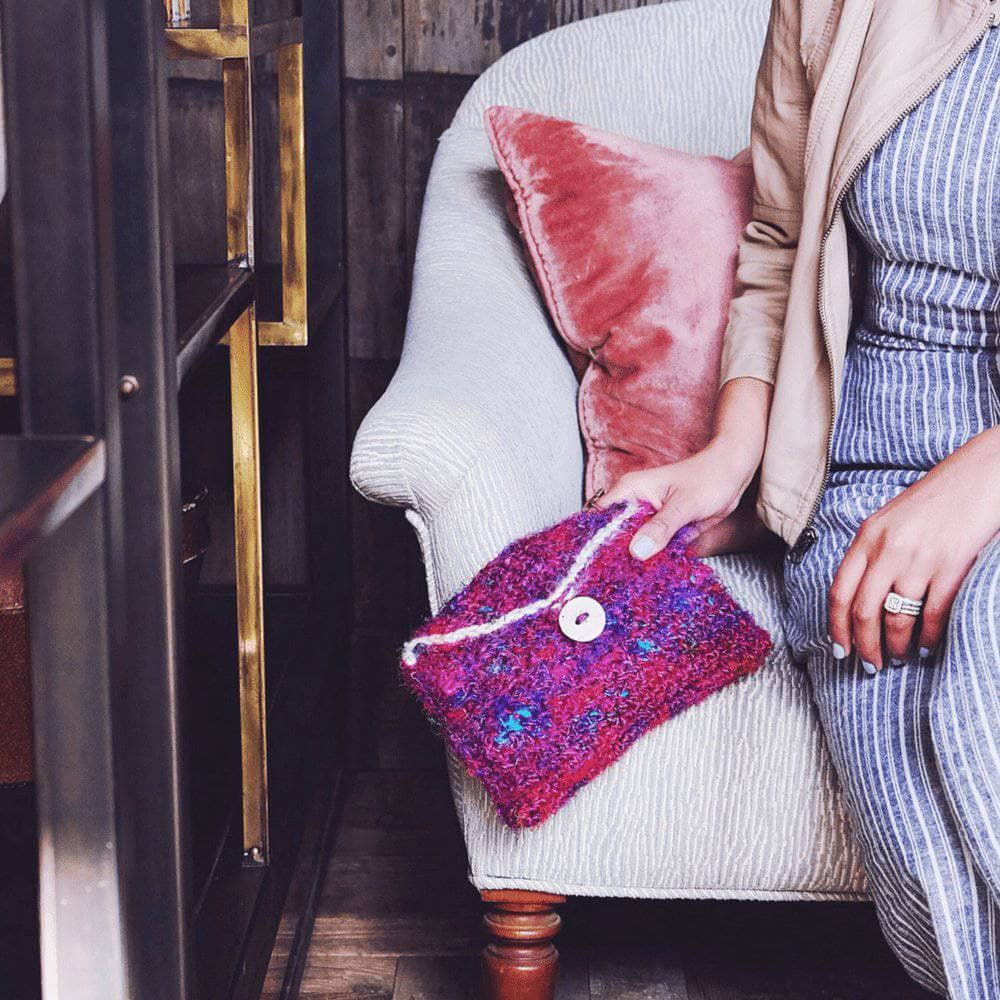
column 583, row 558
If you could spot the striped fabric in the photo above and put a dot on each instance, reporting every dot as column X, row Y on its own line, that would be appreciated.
column 918, row 747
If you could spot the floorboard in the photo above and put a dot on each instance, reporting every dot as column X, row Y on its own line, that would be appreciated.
column 574, row 974
column 636, row 974
column 368, row 976
column 426, row 977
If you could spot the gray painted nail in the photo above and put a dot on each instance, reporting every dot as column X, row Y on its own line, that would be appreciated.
column 870, row 668
column 642, row 546
column 839, row 653
column 924, row 652
column 897, row 663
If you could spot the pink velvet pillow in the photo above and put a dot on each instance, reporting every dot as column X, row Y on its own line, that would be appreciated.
column 634, row 249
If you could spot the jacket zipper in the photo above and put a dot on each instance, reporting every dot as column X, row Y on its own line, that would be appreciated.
column 807, row 535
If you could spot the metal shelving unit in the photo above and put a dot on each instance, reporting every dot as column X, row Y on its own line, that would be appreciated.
column 108, row 331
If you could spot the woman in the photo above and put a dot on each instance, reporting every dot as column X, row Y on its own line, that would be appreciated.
column 861, row 376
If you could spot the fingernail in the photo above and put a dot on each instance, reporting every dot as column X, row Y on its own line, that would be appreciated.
column 870, row 668
column 897, row 663
column 642, row 546
column 839, row 653
column 924, row 652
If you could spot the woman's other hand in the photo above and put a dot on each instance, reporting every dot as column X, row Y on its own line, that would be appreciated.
column 921, row 545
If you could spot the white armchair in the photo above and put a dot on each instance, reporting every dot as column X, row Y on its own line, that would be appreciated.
column 477, row 438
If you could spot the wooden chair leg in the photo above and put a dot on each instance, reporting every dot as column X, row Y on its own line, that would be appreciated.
column 520, row 962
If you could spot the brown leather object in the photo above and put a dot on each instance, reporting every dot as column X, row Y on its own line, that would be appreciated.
column 16, row 764
column 15, row 685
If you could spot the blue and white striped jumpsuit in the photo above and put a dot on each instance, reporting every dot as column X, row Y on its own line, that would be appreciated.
column 918, row 747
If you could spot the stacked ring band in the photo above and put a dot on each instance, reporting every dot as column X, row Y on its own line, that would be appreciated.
column 896, row 604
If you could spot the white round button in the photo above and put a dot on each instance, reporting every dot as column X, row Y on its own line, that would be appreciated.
column 582, row 619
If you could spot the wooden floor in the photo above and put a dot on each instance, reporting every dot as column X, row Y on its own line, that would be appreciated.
column 398, row 919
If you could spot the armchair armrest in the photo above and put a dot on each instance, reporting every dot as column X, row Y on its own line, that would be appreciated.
column 477, row 433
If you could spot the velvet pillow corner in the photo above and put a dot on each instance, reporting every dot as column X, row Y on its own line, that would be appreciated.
column 633, row 247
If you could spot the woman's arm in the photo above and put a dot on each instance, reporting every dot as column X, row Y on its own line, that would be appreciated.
column 921, row 544
column 707, row 487
column 778, row 125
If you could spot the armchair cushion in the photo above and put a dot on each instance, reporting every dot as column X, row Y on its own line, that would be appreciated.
column 633, row 247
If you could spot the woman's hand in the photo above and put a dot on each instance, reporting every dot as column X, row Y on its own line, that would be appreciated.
column 921, row 545
column 705, row 488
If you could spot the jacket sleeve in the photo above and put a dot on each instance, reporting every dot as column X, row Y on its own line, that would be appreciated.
column 767, row 249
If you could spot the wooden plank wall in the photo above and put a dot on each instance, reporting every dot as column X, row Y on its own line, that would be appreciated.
column 407, row 65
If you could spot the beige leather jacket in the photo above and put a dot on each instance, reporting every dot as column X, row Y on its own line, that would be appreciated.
column 836, row 76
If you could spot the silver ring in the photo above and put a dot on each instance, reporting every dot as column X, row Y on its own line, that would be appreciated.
column 896, row 604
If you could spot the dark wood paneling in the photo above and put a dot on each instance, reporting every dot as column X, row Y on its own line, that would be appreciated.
column 285, row 434
column 204, row 12
column 206, row 450
column 430, row 104
column 267, row 187
column 565, row 11
column 396, row 108
column 198, row 171
column 389, row 590
column 376, row 222
column 373, row 31
column 458, row 36
column 273, row 10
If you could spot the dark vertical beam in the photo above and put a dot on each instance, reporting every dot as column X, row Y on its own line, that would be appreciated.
column 57, row 127
column 152, row 824
column 327, row 360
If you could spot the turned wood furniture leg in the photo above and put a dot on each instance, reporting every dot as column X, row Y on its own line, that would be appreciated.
column 520, row 962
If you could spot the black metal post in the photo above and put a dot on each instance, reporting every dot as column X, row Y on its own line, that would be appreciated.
column 94, row 306
column 152, row 832
column 57, row 123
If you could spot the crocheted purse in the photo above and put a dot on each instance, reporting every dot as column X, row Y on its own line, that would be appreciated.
column 565, row 649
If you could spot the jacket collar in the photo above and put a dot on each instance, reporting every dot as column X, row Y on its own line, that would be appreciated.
column 898, row 51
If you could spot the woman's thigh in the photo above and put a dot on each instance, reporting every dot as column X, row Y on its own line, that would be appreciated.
column 965, row 710
column 848, row 500
column 878, row 729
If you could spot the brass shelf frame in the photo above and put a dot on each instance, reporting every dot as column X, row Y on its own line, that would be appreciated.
column 8, row 377
column 236, row 43
column 237, row 40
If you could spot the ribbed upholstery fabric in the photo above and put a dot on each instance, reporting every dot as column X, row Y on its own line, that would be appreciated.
column 917, row 746
column 477, row 438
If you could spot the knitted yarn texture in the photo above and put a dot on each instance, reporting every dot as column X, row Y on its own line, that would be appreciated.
column 536, row 707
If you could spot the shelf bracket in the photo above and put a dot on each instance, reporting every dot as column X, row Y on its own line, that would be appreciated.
column 293, row 328
column 237, row 40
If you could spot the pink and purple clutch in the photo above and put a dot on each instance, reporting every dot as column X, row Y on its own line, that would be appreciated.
column 565, row 649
